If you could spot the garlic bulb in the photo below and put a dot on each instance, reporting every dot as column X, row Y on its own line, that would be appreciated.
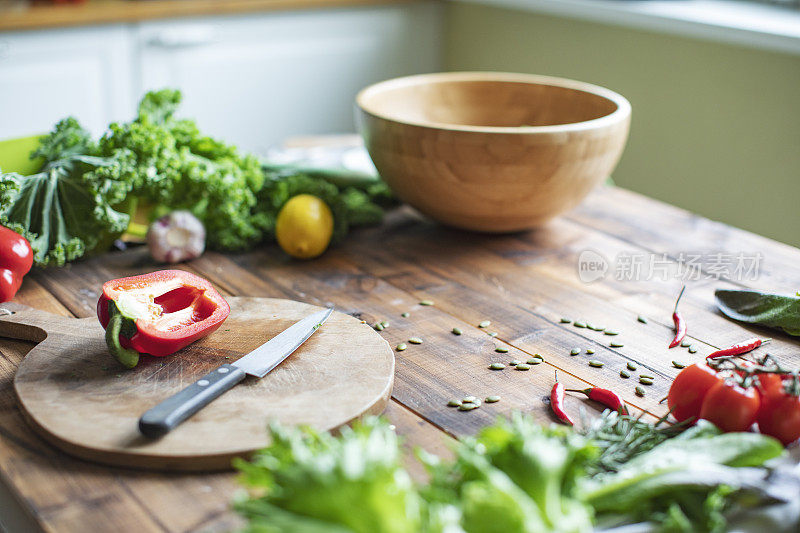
column 176, row 237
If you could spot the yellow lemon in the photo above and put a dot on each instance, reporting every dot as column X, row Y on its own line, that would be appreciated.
column 304, row 226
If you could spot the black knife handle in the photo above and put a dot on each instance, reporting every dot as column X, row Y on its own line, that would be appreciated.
column 165, row 416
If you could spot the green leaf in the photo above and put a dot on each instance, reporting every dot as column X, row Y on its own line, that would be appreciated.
column 765, row 309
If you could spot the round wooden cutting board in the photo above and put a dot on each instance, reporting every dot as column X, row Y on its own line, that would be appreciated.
column 82, row 401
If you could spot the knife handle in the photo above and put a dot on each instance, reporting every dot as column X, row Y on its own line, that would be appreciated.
column 167, row 415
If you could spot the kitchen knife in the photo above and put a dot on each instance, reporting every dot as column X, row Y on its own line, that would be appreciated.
column 168, row 414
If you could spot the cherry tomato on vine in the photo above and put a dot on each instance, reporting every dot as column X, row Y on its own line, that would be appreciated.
column 730, row 407
column 689, row 389
column 779, row 417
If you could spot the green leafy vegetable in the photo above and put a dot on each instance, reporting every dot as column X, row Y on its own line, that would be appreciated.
column 765, row 309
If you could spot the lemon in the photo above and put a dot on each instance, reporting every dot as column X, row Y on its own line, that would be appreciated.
column 304, row 226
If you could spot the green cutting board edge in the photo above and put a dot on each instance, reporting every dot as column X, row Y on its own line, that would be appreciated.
column 15, row 155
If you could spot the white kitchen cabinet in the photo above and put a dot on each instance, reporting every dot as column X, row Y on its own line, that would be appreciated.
column 47, row 75
column 254, row 80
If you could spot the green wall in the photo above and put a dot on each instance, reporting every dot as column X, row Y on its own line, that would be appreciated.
column 715, row 129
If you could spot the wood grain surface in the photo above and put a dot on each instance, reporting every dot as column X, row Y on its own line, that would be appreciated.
column 86, row 404
column 523, row 283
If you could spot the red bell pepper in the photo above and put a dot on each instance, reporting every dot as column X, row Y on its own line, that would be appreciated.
column 158, row 313
column 16, row 259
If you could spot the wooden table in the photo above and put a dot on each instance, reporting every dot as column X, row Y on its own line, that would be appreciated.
column 522, row 283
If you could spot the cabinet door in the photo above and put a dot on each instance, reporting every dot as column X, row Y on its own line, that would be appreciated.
column 48, row 75
column 254, row 80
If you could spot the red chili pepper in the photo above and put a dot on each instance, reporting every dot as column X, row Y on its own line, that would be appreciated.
column 158, row 313
column 557, row 403
column 739, row 348
column 680, row 323
column 607, row 397
column 16, row 259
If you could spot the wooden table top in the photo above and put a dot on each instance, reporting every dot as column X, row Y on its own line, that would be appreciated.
column 522, row 283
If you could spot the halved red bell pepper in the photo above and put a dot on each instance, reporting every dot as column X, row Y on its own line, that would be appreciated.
column 158, row 313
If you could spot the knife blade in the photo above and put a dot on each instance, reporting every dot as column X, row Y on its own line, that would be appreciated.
column 167, row 415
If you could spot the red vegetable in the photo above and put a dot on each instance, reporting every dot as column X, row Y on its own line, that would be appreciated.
column 689, row 389
column 730, row 407
column 607, row 397
column 158, row 313
column 739, row 348
column 557, row 403
column 779, row 417
column 679, row 321
column 16, row 259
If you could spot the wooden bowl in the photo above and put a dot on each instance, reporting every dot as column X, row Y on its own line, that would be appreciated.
column 492, row 152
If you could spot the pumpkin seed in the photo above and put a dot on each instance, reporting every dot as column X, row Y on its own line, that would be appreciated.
column 611, row 332
column 454, row 403
column 537, row 356
column 596, row 364
column 575, row 351
column 631, row 366
column 597, row 328
column 378, row 326
column 415, row 340
column 492, row 334
column 616, row 345
column 385, row 324
column 565, row 320
column 642, row 319
column 426, row 302
column 534, row 361
column 685, row 343
column 515, row 362
column 492, row 399
column 647, row 376
column 589, row 351
column 501, row 349
column 676, row 364
column 624, row 374
column 497, row 366
column 405, row 315
column 692, row 349
column 645, row 381
column 639, row 391
column 589, row 325
column 468, row 406
column 484, row 324
column 579, row 324
column 523, row 366
column 402, row 346
column 457, row 331
column 469, row 399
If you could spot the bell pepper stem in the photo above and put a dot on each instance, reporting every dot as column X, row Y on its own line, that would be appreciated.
column 127, row 357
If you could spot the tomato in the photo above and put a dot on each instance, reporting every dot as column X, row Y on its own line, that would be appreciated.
column 730, row 407
column 688, row 390
column 779, row 417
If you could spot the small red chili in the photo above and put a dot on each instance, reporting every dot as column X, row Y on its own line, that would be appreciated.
column 607, row 397
column 679, row 321
column 557, row 403
column 739, row 348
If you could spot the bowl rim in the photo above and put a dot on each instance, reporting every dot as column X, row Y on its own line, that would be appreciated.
column 622, row 112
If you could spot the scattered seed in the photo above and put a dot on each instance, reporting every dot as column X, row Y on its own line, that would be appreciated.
column 492, row 334
column 575, row 351
column 589, row 325
column 676, row 364
column 484, row 324
column 469, row 399
column 692, row 349
column 631, row 366
column 457, row 331
column 405, row 315
column 589, row 351
column 378, row 327
column 537, row 356
column 523, row 366
column 597, row 328
column 642, row 319
column 385, row 324
column 363, row 321
column 579, row 324
column 647, row 376
column 402, row 346
column 415, row 340
column 611, row 332
column 639, row 391
column 454, row 403
column 616, row 345
column 501, row 349
column 565, row 320
column 468, row 406
column 426, row 302
column 624, row 374
column 534, row 361
column 492, row 399
column 497, row 366
column 645, row 381
column 685, row 343
column 596, row 364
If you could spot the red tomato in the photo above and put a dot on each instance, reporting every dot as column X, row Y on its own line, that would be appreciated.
column 730, row 407
column 779, row 417
column 16, row 258
column 689, row 389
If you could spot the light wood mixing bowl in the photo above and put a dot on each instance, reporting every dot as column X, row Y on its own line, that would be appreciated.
column 492, row 152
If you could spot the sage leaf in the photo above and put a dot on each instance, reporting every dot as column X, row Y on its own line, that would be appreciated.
column 762, row 308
